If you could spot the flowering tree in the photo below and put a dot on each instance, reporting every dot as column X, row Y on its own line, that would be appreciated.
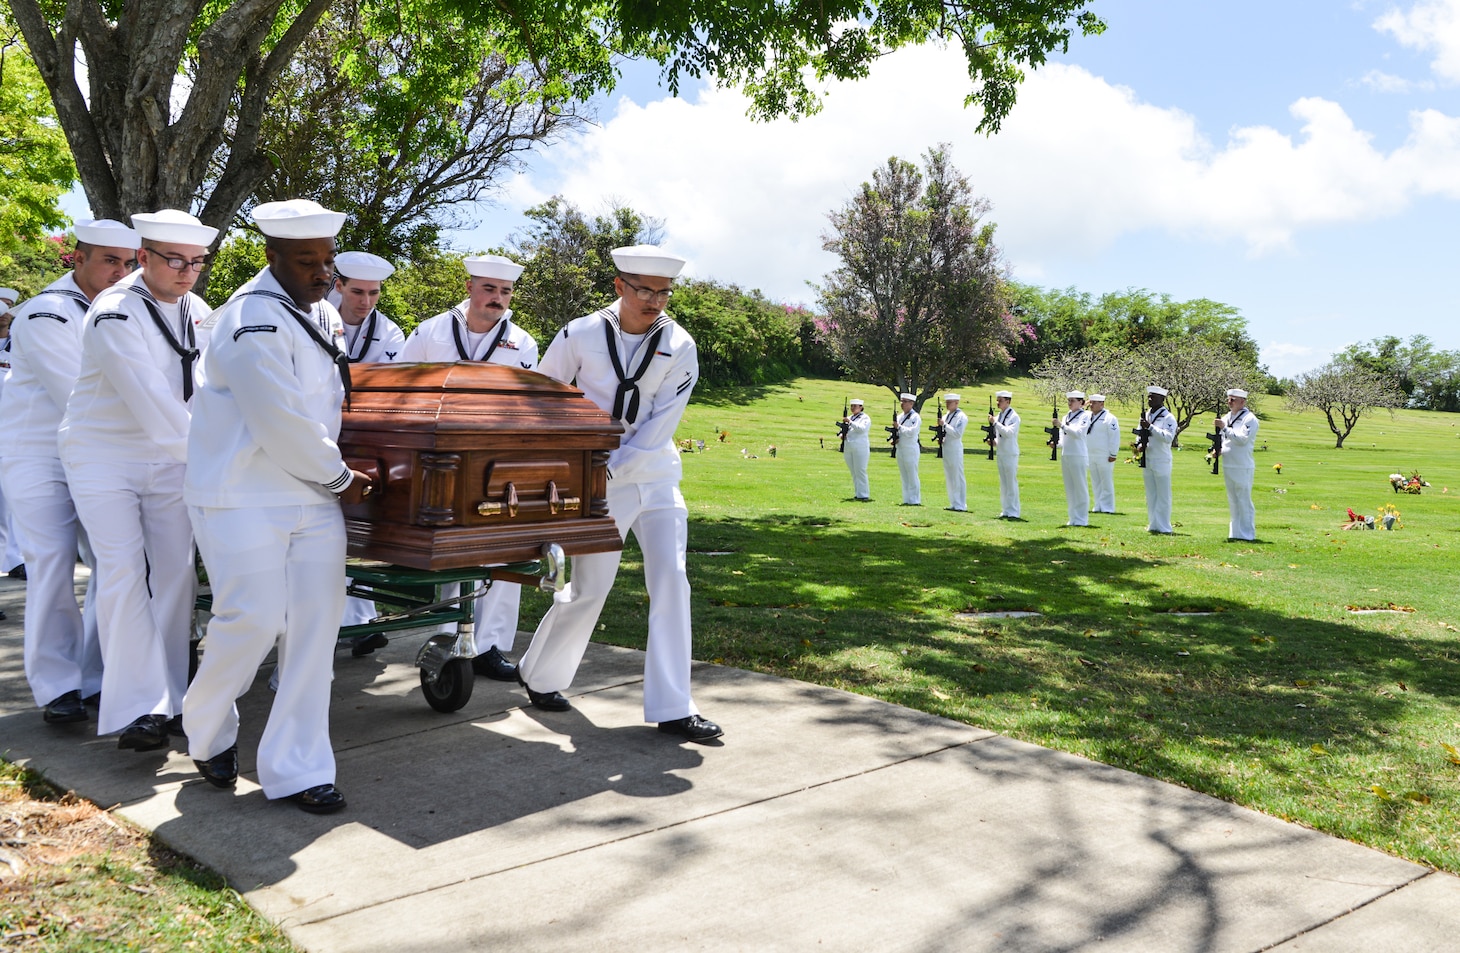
column 919, row 301
column 1344, row 393
column 1099, row 368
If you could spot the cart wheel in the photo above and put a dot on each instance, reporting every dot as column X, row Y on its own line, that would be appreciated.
column 452, row 688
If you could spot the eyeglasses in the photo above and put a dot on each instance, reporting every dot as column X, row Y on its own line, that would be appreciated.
column 647, row 295
column 183, row 264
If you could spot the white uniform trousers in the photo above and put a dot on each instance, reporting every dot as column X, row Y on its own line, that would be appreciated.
column 659, row 520
column 953, row 476
column 1239, row 502
column 62, row 651
column 1077, row 495
column 1102, row 484
column 142, row 542
column 856, row 455
column 357, row 611
column 10, row 556
column 907, row 468
column 1008, row 483
column 1158, row 499
column 277, row 574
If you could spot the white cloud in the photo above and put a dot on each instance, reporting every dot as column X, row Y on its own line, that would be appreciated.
column 1285, row 359
column 1079, row 163
column 1382, row 82
column 1430, row 26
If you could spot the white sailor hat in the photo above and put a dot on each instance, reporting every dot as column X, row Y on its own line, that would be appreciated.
column 363, row 266
column 1153, row 389
column 1076, row 395
column 297, row 218
column 948, row 397
column 857, row 401
column 1004, row 393
column 106, row 233
column 492, row 266
column 1099, row 397
column 1237, row 392
column 907, row 397
column 647, row 260
column 172, row 225
column 9, row 295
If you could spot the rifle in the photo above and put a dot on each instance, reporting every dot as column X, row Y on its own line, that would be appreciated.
column 842, row 427
column 940, row 433
column 892, row 436
column 1054, row 432
column 988, row 429
column 1216, row 439
column 1143, row 437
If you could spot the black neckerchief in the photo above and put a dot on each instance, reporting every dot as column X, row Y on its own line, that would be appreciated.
column 1157, row 415
column 1070, row 418
column 954, row 414
column 368, row 333
column 1237, row 416
column 854, row 416
column 626, row 398
column 188, row 353
column 1093, row 421
column 461, row 345
column 1004, row 417
column 75, row 296
column 312, row 329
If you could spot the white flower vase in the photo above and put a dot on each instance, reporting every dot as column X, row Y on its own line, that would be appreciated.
column 1389, row 520
column 1368, row 522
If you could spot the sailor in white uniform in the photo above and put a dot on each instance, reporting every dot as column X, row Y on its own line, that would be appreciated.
column 265, row 479
column 124, row 444
column 1074, row 459
column 858, row 449
column 370, row 338
column 1238, row 428
column 1157, row 471
column 908, row 451
column 481, row 329
column 1102, row 443
column 954, row 422
column 634, row 361
column 1006, row 443
column 10, row 557
column 62, row 651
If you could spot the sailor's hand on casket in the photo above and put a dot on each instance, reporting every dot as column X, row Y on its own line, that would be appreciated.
column 361, row 486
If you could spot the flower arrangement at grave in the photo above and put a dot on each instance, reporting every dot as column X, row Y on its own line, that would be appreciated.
column 1279, row 468
column 1388, row 517
column 1357, row 521
column 1413, row 483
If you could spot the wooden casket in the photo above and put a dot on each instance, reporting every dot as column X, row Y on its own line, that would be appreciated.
column 475, row 465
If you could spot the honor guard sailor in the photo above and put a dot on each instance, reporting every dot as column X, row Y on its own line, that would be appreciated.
column 634, row 361
column 62, row 651
column 124, row 444
column 1074, row 458
column 265, row 479
column 1102, row 444
column 1006, row 441
column 10, row 558
column 954, row 422
column 1157, row 451
column 907, row 450
column 1238, row 427
column 481, row 329
column 858, row 449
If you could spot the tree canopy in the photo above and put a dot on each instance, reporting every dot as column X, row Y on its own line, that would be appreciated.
column 35, row 166
column 1429, row 379
column 1343, row 393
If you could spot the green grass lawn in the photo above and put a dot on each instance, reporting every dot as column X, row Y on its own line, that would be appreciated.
column 1281, row 700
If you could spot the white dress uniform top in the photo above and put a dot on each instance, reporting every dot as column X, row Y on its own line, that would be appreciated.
column 9, row 540
column 1157, row 472
column 446, row 338
column 376, row 340
column 1006, row 443
column 263, row 473
column 661, row 368
column 858, row 450
column 124, row 446
column 62, row 649
column 1102, row 441
column 1074, row 464
column 1238, row 437
column 953, row 478
column 909, row 429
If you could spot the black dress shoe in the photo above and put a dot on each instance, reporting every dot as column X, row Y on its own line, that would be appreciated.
column 221, row 770
column 365, row 644
column 175, row 726
column 493, row 665
column 18, row 572
column 547, row 701
column 65, row 710
column 92, row 701
column 320, row 799
column 147, row 733
column 693, row 728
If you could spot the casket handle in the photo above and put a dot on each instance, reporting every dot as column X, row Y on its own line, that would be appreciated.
column 510, row 498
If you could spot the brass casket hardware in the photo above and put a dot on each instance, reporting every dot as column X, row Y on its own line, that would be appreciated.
column 489, row 508
column 510, row 502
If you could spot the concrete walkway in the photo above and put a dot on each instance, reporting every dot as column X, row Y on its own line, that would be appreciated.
column 825, row 821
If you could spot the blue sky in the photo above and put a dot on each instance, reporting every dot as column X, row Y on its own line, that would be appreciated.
column 1295, row 158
